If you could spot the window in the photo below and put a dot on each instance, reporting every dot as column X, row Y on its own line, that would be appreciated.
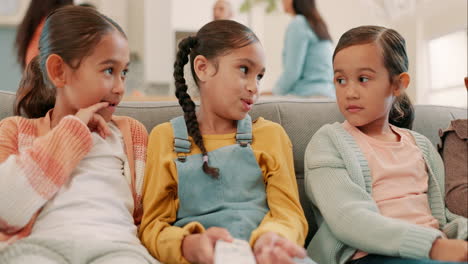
column 448, row 68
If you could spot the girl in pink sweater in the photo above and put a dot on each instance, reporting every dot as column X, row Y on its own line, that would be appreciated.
column 71, row 172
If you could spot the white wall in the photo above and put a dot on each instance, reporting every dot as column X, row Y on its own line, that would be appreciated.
column 136, row 27
column 151, row 25
column 158, row 42
column 117, row 10
column 129, row 15
column 162, row 18
column 190, row 15
column 430, row 19
column 341, row 16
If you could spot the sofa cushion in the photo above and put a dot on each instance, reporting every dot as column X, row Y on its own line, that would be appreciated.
column 6, row 104
column 301, row 118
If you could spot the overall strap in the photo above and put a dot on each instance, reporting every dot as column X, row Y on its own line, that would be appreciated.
column 181, row 142
column 244, row 131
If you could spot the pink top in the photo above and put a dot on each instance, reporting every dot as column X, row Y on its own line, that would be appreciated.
column 399, row 177
column 36, row 161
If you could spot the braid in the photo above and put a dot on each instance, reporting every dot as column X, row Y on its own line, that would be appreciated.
column 188, row 106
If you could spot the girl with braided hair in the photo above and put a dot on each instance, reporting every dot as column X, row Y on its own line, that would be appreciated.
column 214, row 174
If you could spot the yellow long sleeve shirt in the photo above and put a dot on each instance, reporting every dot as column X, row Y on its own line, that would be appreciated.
column 273, row 152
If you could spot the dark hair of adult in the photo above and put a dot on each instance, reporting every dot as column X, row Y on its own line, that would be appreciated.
column 37, row 11
column 308, row 9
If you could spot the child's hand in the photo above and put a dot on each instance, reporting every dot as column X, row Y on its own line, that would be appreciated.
column 449, row 250
column 272, row 248
column 94, row 121
column 199, row 248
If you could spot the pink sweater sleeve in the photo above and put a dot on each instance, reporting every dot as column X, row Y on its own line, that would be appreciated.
column 140, row 141
column 30, row 176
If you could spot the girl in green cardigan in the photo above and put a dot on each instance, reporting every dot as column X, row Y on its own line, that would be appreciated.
column 377, row 189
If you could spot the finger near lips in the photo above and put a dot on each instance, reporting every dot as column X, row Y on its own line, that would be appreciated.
column 103, row 133
column 98, row 124
column 103, row 124
column 96, row 107
column 98, row 130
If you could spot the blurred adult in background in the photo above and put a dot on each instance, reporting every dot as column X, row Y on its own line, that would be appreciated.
column 307, row 53
column 222, row 9
column 29, row 31
column 85, row 4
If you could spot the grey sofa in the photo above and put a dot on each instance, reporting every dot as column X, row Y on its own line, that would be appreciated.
column 300, row 118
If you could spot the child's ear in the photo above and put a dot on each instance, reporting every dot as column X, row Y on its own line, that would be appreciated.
column 401, row 83
column 202, row 67
column 56, row 70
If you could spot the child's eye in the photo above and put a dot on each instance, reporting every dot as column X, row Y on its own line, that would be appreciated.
column 341, row 80
column 363, row 79
column 109, row 71
column 244, row 69
column 259, row 77
column 124, row 73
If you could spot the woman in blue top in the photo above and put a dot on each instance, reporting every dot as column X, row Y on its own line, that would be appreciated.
column 307, row 53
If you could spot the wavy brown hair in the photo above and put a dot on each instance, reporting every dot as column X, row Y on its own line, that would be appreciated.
column 395, row 59
column 70, row 32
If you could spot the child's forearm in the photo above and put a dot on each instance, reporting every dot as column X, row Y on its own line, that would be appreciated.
column 30, row 177
column 164, row 241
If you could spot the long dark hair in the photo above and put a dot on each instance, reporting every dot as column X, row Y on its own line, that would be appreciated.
column 308, row 9
column 37, row 11
column 70, row 32
column 215, row 39
column 395, row 59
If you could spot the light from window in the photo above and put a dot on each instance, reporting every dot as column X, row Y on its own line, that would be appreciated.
column 448, row 68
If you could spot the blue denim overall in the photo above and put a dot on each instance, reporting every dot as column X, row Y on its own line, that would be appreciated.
column 236, row 200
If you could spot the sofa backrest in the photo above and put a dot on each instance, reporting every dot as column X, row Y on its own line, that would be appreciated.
column 301, row 118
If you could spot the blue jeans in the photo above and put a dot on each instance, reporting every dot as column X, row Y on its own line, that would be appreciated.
column 379, row 259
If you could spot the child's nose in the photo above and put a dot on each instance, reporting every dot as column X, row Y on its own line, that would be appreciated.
column 351, row 91
column 119, row 86
column 253, row 86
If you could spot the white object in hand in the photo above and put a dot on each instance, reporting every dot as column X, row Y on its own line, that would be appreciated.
column 236, row 252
